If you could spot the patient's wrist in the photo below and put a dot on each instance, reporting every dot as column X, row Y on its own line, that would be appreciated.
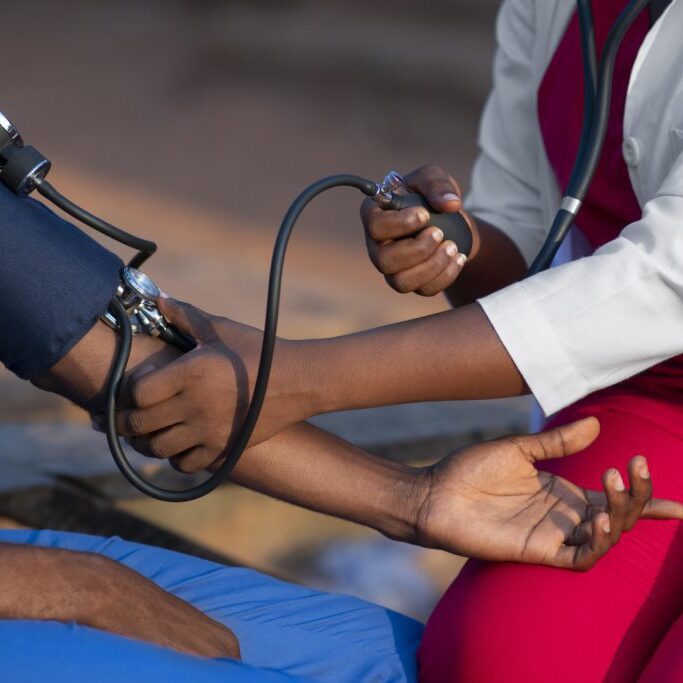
column 399, row 502
column 81, row 376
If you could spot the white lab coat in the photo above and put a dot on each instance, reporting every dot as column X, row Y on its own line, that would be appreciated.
column 595, row 321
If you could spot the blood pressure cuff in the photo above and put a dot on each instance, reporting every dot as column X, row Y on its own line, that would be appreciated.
column 55, row 282
column 286, row 632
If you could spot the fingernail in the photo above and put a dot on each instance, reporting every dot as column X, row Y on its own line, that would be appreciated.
column 619, row 482
column 451, row 249
column 437, row 235
column 606, row 526
column 423, row 215
column 644, row 470
column 461, row 259
column 450, row 197
column 163, row 294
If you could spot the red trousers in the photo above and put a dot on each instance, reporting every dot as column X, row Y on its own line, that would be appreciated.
column 621, row 621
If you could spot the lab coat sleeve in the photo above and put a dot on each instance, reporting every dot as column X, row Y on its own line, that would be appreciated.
column 505, row 183
column 594, row 322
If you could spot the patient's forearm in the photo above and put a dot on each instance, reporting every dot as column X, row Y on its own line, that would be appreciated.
column 302, row 465
column 454, row 355
column 308, row 467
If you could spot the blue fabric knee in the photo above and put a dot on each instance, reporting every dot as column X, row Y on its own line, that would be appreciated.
column 286, row 632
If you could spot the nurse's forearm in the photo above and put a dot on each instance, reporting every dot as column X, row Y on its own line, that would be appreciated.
column 449, row 356
column 497, row 264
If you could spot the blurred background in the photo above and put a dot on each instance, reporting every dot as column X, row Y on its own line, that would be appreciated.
column 195, row 123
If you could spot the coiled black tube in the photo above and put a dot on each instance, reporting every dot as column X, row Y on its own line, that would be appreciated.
column 369, row 188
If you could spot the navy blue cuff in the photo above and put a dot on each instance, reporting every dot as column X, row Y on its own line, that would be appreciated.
column 55, row 282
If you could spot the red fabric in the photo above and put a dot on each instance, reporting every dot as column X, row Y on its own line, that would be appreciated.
column 514, row 623
column 518, row 623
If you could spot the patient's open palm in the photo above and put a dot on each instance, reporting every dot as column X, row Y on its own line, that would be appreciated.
column 489, row 501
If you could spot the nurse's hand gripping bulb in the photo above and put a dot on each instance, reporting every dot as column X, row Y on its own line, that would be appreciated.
column 393, row 194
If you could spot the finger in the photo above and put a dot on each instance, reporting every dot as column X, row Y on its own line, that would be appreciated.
column 382, row 224
column 446, row 278
column 162, row 384
column 640, row 491
column 140, row 421
column 580, row 534
column 194, row 460
column 414, row 278
column 585, row 556
column 658, row 508
column 618, row 502
column 188, row 319
column 559, row 442
column 166, row 443
column 125, row 396
column 393, row 257
column 437, row 187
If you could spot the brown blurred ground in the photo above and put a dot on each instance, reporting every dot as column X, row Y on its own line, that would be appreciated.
column 196, row 123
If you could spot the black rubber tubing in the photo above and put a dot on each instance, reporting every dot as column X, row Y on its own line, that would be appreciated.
column 591, row 146
column 118, row 369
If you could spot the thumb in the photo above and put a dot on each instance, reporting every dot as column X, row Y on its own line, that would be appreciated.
column 562, row 441
column 188, row 318
column 437, row 187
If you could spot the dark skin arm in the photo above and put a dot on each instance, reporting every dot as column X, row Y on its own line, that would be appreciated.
column 59, row 585
column 402, row 363
column 460, row 505
column 47, row 583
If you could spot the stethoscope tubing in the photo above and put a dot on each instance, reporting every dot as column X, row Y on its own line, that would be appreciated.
column 596, row 119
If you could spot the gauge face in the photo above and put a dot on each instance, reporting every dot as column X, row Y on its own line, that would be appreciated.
column 140, row 283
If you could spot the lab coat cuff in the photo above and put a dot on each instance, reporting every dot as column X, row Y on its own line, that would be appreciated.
column 535, row 348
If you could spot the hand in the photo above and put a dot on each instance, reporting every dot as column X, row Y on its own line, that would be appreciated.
column 188, row 410
column 489, row 501
column 411, row 254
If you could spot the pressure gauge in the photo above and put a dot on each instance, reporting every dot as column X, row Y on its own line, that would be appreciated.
column 138, row 286
column 12, row 133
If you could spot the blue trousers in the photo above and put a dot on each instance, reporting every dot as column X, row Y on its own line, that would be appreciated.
column 286, row 632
